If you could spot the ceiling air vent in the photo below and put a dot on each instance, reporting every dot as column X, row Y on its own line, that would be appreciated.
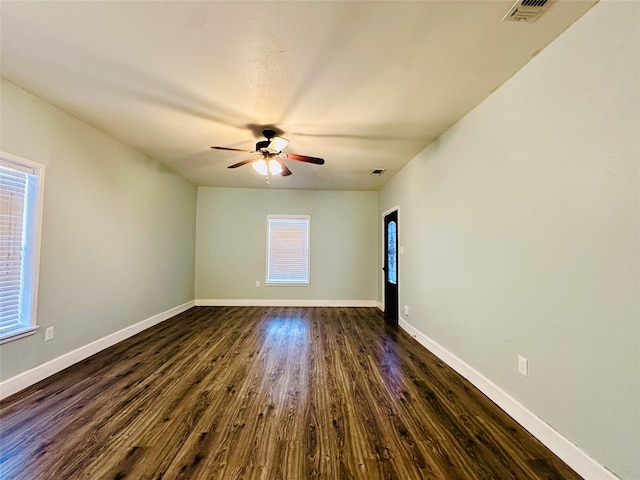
column 378, row 171
column 526, row 10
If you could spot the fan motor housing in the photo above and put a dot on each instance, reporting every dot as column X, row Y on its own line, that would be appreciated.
column 262, row 144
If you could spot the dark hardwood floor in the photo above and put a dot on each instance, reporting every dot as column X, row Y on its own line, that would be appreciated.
column 265, row 393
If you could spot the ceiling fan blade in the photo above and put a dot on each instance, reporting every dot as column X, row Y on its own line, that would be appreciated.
column 244, row 162
column 285, row 171
column 303, row 158
column 231, row 149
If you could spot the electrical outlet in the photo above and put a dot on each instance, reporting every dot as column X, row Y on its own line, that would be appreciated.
column 406, row 310
column 48, row 334
column 257, row 283
column 523, row 365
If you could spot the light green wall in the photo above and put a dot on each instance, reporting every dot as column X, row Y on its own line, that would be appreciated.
column 118, row 234
column 521, row 235
column 231, row 243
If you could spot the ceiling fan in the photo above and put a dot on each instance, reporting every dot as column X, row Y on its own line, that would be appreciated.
column 269, row 158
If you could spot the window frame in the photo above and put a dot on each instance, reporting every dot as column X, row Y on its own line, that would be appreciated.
column 270, row 283
column 33, row 224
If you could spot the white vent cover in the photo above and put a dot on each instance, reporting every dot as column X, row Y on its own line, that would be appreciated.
column 526, row 10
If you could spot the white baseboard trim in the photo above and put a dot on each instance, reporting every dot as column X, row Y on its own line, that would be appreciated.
column 380, row 306
column 270, row 302
column 23, row 380
column 570, row 453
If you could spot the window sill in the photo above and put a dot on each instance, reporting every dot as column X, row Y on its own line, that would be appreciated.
column 266, row 284
column 15, row 335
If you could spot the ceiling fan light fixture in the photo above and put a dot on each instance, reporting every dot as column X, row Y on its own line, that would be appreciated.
column 274, row 167
column 260, row 166
column 277, row 144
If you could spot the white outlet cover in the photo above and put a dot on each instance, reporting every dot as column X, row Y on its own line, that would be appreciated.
column 523, row 365
column 48, row 334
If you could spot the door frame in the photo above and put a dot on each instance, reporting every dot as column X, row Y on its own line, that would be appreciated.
column 382, row 259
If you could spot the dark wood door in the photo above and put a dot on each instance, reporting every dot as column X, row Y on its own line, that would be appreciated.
column 391, row 267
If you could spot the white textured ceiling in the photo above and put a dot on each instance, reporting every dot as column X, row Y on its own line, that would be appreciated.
column 364, row 85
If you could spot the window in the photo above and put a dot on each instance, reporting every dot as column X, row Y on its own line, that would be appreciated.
column 21, row 186
column 288, row 249
column 392, row 264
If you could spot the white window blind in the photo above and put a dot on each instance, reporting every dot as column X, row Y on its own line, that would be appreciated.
column 288, row 249
column 20, row 186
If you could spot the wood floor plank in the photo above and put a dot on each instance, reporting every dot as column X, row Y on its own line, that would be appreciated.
column 266, row 393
